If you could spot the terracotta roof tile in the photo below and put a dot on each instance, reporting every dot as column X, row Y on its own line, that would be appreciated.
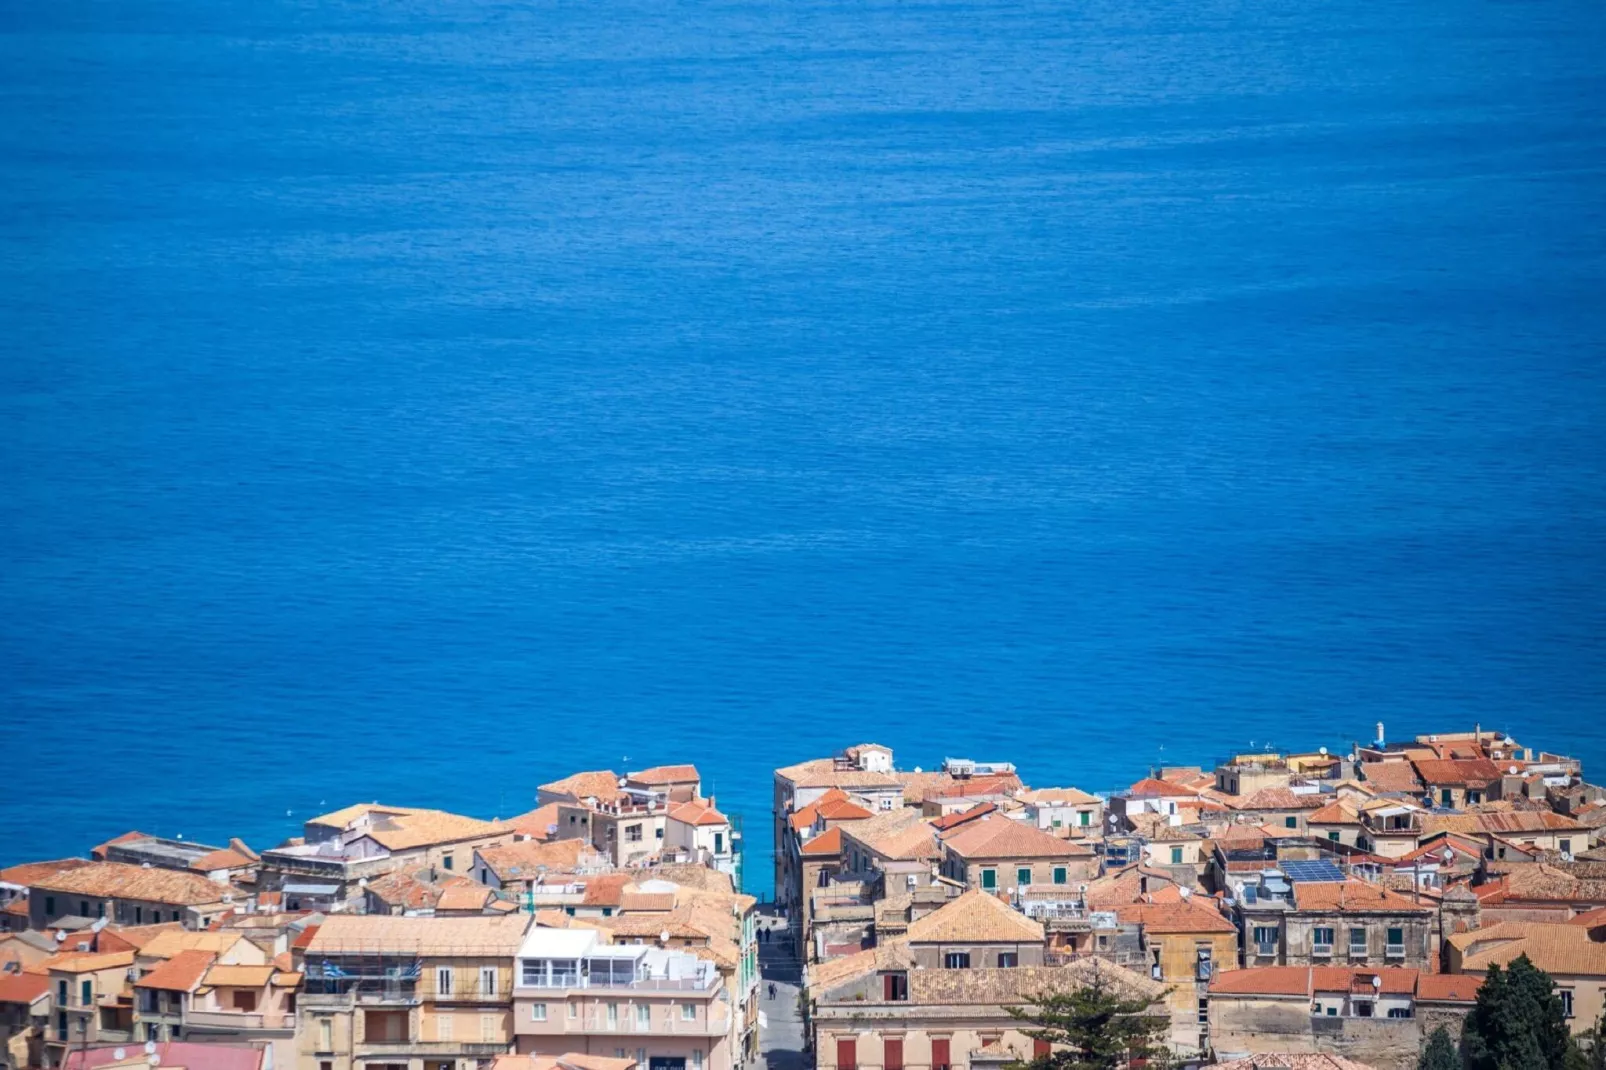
column 240, row 976
column 463, row 894
column 24, row 988
column 1448, row 987
column 977, row 987
column 1005, row 838
column 1181, row 916
column 601, row 784
column 1353, row 896
column 841, row 810
column 1556, row 949
column 487, row 936
column 1151, row 786
column 118, row 880
column 1392, row 777
column 697, row 813
column 181, row 973
column 825, row 844
column 29, row 872
column 540, row 823
column 1293, row 1062
column 524, row 859
column 1473, row 773
column 666, row 774
column 975, row 917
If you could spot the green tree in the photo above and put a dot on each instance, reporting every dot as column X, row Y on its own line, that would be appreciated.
column 1517, row 1023
column 1440, row 1053
column 1095, row 1027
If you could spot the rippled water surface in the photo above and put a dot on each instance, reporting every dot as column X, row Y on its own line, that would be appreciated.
column 418, row 400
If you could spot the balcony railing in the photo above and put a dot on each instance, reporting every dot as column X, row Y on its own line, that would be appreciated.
column 651, row 984
column 626, row 1023
column 243, row 1020
column 427, row 1048
column 1394, row 951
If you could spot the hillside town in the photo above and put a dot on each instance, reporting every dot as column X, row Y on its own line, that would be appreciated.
column 1319, row 910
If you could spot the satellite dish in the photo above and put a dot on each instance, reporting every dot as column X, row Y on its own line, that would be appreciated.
column 1513, row 770
column 150, row 1047
column 664, row 936
column 1322, row 751
column 154, row 1059
column 1377, row 982
column 61, row 936
column 119, row 1054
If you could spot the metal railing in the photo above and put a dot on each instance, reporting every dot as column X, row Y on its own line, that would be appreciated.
column 650, row 984
column 238, row 1020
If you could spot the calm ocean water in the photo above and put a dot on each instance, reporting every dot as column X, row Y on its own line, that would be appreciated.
column 417, row 401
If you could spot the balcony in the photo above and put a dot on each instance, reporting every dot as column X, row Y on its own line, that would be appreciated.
column 1394, row 951
column 712, row 1026
column 532, row 985
column 237, row 1021
column 428, row 1048
column 391, row 995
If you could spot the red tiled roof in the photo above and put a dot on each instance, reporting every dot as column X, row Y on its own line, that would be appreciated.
column 538, row 824
column 305, row 938
column 1391, row 776
column 1448, row 987
column 1176, row 915
column 175, row 1053
column 23, row 987
column 1309, row 980
column 224, row 859
column 840, row 810
column 959, row 817
column 1352, row 896
column 666, row 774
column 28, row 872
column 1473, row 773
column 1151, row 786
column 181, row 973
column 98, row 852
column 826, row 843
column 606, row 890
column 997, row 836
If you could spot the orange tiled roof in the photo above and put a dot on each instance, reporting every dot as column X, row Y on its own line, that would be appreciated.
column 840, row 810
column 23, row 987
column 666, row 774
column 959, row 817
column 1391, row 776
column 1150, row 786
column 1002, row 837
column 223, row 859
column 605, row 890
column 538, row 824
column 1556, row 949
column 1472, row 773
column 1335, row 813
column 181, row 973
column 118, row 880
column 826, row 843
column 1353, row 896
column 975, row 917
column 524, row 859
column 1448, row 987
column 29, row 872
column 698, row 813
column 1179, row 916
column 601, row 784
column 463, row 894
column 98, row 852
column 1279, row 798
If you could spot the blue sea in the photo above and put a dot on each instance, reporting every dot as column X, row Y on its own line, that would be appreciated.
column 420, row 400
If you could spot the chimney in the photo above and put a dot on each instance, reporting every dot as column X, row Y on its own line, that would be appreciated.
column 1380, row 733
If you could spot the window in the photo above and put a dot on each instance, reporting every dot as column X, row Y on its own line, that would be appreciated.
column 61, row 993
column 1023, row 875
column 1041, row 1048
column 50, row 904
column 847, row 1053
column 83, row 908
column 1446, row 798
column 892, row 1053
column 61, row 1025
column 1396, row 944
column 1399, row 1012
column 697, row 1059
column 1176, row 856
column 1474, row 797
column 326, row 1034
column 1321, row 941
column 245, row 1000
column 613, row 1016
column 894, row 987
column 1008, row 960
column 1266, row 939
column 956, row 960
column 1357, row 942
column 1290, row 822
column 487, row 1029
column 989, row 878
column 1086, row 817
column 574, row 1010
column 641, row 1057
column 939, row 1053
column 443, row 1027
column 1566, row 995
column 633, row 833
column 1058, row 823
column 487, row 980
column 688, row 1012
column 659, row 834
column 139, row 915
column 152, row 1032
column 446, row 862
column 443, row 980
column 643, row 1016
column 1333, row 835
column 618, row 1053
column 1060, row 875
column 538, row 1012
column 1566, row 846
column 1363, row 1008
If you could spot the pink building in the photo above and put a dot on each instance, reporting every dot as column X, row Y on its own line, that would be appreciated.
column 664, row 1009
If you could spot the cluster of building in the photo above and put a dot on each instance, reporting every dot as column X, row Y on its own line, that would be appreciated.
column 1298, row 906
column 603, row 930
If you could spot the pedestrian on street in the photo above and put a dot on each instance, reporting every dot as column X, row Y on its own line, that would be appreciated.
column 772, row 990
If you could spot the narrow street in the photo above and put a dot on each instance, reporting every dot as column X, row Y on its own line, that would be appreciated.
column 781, row 1036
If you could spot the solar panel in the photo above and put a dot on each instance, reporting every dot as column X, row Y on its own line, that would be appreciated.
column 1312, row 871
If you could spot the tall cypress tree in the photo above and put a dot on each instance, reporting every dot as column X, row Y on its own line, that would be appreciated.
column 1517, row 1023
column 1440, row 1053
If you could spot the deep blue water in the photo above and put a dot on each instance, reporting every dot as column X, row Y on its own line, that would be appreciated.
column 420, row 400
